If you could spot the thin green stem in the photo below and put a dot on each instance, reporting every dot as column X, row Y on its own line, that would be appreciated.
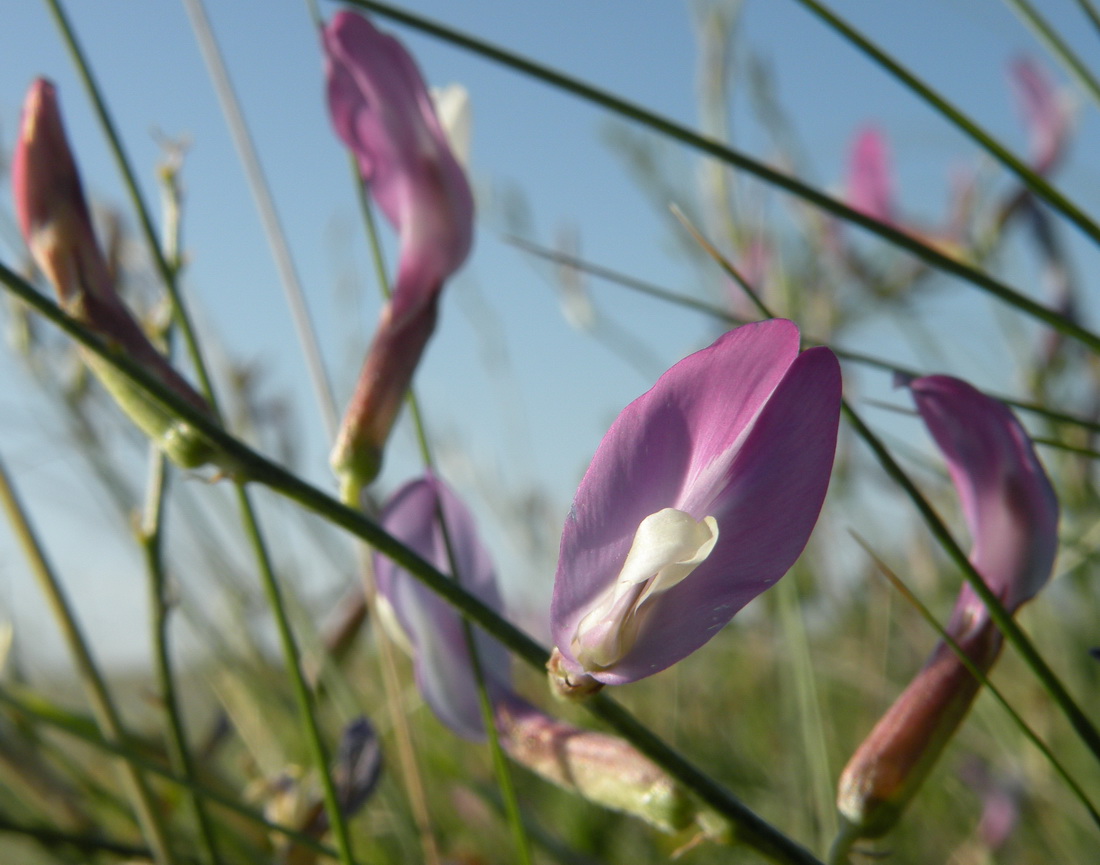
column 145, row 806
column 1090, row 12
column 1030, row 178
column 302, row 694
column 88, row 845
column 981, row 676
column 150, row 537
column 721, row 151
column 720, row 315
column 749, row 828
column 406, row 753
column 145, row 220
column 1058, row 46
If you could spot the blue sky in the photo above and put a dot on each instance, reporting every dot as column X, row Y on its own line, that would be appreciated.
column 507, row 382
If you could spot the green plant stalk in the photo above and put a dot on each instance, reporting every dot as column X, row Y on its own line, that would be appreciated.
column 488, row 715
column 1058, row 46
column 748, row 827
column 292, row 659
column 726, row 154
column 85, row 732
column 1038, row 184
column 500, row 764
column 145, row 806
column 1090, row 12
column 150, row 537
column 818, row 785
column 719, row 314
column 982, row 677
column 302, row 695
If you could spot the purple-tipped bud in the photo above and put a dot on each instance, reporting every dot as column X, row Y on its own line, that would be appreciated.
column 701, row 496
column 1012, row 514
column 383, row 112
column 56, row 224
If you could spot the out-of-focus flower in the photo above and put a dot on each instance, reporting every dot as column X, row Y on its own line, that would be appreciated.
column 701, row 496
column 870, row 190
column 1047, row 114
column 870, row 185
column 602, row 768
column 382, row 111
column 1012, row 514
column 56, row 224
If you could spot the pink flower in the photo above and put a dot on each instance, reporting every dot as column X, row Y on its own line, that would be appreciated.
column 54, row 218
column 701, row 495
column 382, row 111
column 870, row 185
column 1012, row 514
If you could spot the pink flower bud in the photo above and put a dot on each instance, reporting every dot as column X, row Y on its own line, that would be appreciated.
column 1012, row 514
column 56, row 224
column 383, row 112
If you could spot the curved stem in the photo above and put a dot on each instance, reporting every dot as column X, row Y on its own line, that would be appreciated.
column 150, row 537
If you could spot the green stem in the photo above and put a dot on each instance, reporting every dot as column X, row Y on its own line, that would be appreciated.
column 1090, row 12
column 150, row 536
column 1058, row 46
column 302, row 694
column 750, row 828
column 719, row 314
column 145, row 806
column 726, row 154
column 1015, row 635
column 149, row 232
column 1081, row 723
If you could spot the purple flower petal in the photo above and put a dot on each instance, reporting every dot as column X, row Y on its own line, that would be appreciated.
column 743, row 431
column 440, row 655
column 1007, row 500
column 383, row 112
